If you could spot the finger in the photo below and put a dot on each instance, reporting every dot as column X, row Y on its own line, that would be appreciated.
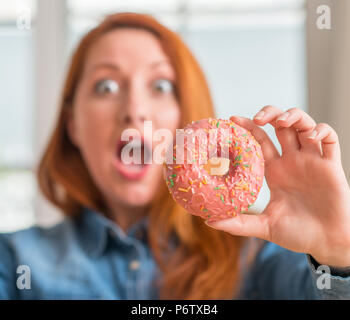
column 287, row 137
column 266, row 115
column 303, row 124
column 309, row 144
column 243, row 225
column 329, row 140
column 268, row 148
column 296, row 118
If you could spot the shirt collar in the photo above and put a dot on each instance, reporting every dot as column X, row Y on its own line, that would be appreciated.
column 96, row 230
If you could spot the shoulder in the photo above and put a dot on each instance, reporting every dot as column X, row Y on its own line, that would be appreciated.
column 279, row 273
column 271, row 253
column 36, row 239
column 34, row 248
column 275, row 261
column 37, row 233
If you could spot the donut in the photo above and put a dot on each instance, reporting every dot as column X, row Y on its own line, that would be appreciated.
column 221, row 195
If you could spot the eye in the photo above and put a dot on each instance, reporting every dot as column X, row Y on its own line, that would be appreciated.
column 163, row 85
column 106, row 86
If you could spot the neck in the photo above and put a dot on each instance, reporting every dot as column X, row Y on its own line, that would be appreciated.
column 125, row 216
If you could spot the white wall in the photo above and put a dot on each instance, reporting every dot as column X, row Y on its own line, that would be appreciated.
column 329, row 71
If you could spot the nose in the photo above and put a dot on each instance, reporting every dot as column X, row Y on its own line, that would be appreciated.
column 134, row 110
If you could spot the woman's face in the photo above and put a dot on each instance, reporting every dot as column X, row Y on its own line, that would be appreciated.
column 127, row 80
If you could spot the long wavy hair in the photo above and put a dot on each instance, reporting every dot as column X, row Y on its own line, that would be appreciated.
column 204, row 263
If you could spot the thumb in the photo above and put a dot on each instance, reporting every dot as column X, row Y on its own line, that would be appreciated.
column 247, row 225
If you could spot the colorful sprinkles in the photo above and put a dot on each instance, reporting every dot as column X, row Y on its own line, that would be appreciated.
column 224, row 196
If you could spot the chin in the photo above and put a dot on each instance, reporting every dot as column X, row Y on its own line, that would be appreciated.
column 134, row 196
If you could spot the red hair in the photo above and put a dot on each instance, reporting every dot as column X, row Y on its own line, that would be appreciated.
column 205, row 263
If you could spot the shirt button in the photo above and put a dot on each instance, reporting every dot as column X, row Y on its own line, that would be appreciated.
column 134, row 265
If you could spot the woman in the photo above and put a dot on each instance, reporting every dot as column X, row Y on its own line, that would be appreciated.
column 125, row 238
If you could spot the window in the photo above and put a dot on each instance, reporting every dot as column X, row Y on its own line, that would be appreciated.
column 17, row 187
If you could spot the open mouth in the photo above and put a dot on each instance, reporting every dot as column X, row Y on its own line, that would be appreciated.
column 133, row 158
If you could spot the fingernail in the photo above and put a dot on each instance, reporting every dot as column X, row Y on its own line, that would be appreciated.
column 313, row 135
column 259, row 115
column 283, row 116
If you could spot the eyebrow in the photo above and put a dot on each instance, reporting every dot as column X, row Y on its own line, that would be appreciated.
column 116, row 67
column 155, row 64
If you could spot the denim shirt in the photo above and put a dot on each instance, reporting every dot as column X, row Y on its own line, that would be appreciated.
column 90, row 257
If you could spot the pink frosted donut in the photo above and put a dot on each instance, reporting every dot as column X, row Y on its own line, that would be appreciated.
column 215, row 197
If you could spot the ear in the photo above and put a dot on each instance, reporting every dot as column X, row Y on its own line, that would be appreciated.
column 72, row 127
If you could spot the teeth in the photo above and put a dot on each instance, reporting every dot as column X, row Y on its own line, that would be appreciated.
column 135, row 144
column 138, row 144
column 133, row 167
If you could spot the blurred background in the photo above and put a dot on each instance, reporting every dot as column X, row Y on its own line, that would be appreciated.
column 253, row 52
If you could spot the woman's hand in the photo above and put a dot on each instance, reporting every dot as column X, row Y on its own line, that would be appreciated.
column 309, row 208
